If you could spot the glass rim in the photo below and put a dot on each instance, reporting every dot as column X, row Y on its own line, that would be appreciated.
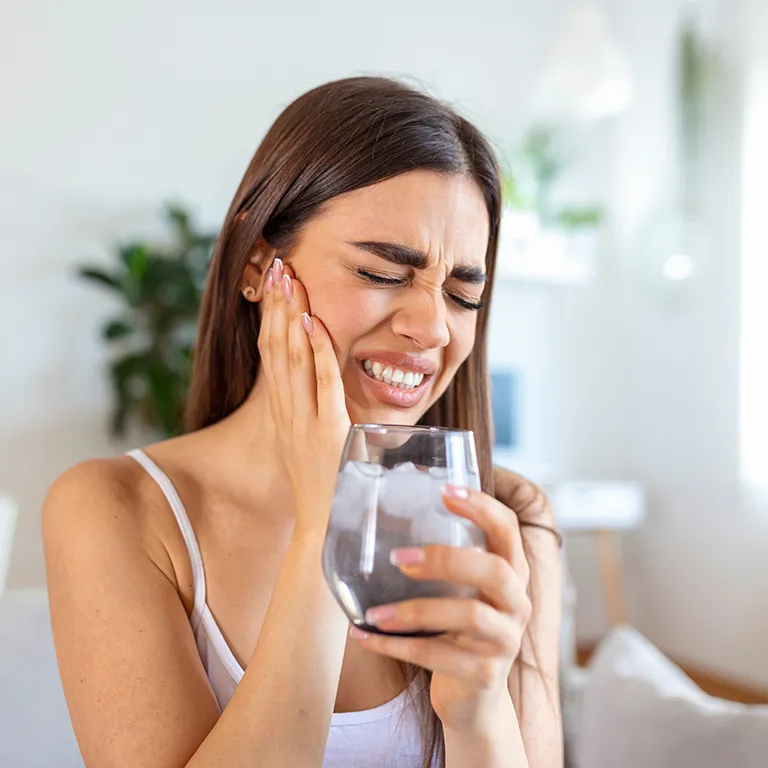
column 382, row 429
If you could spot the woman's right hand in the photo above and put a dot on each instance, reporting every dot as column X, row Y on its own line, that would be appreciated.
column 306, row 395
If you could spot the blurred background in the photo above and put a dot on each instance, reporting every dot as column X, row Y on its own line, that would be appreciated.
column 627, row 345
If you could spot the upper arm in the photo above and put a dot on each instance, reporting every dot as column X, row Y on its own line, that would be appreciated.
column 135, row 687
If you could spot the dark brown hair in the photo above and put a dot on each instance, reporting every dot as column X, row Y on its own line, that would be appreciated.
column 334, row 139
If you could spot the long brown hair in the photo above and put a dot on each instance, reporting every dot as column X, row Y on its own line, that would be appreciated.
column 334, row 139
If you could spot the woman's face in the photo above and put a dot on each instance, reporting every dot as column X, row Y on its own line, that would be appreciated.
column 396, row 271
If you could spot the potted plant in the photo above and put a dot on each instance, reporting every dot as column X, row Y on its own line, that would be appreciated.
column 151, row 338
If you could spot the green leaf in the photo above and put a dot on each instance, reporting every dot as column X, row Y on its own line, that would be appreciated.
column 120, row 415
column 99, row 276
column 116, row 329
column 180, row 220
column 126, row 372
column 161, row 289
column 166, row 399
column 135, row 257
column 579, row 218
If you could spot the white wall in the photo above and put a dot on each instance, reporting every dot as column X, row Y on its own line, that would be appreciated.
column 696, row 574
column 650, row 392
column 108, row 113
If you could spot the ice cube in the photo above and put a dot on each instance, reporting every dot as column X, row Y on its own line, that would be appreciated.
column 406, row 468
column 438, row 526
column 356, row 496
column 456, row 476
column 406, row 491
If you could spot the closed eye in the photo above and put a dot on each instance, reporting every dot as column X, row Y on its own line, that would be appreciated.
column 472, row 306
column 380, row 279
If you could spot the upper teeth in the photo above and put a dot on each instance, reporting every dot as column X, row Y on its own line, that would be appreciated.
column 395, row 377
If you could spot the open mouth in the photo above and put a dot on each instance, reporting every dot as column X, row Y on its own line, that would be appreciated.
column 392, row 376
column 395, row 379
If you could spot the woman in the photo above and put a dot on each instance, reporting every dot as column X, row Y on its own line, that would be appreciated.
column 364, row 230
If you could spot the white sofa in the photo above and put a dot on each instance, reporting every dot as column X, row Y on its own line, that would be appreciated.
column 632, row 709
column 35, row 730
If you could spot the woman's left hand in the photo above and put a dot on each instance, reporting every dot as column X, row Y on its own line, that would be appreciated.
column 471, row 662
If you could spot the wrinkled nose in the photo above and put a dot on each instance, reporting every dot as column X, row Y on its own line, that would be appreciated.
column 423, row 319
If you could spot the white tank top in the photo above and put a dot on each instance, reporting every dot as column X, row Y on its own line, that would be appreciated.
column 388, row 736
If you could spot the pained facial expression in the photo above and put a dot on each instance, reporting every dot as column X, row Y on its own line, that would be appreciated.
column 394, row 271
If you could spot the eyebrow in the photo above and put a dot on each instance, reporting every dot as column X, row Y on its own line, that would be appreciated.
column 404, row 256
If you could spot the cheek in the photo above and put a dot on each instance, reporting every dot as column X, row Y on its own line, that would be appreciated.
column 462, row 341
column 347, row 313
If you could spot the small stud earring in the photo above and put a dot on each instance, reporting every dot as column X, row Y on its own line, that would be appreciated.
column 250, row 293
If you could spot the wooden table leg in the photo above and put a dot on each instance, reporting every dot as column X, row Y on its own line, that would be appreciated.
column 609, row 569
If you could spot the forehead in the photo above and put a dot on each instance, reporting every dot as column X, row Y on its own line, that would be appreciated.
column 442, row 216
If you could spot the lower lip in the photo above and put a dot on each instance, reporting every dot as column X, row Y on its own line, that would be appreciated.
column 402, row 398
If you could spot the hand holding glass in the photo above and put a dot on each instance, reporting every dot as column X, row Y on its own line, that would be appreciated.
column 389, row 495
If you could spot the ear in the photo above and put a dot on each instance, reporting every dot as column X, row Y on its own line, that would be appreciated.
column 255, row 271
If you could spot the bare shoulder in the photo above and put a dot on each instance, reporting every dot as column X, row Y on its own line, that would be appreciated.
column 91, row 493
column 106, row 478
column 105, row 504
column 88, row 492
column 122, row 635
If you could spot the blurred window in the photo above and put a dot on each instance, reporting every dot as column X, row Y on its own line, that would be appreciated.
column 754, row 281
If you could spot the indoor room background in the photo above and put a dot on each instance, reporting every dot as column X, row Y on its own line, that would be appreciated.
column 638, row 370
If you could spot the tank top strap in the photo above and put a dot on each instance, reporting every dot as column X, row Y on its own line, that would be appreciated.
column 182, row 518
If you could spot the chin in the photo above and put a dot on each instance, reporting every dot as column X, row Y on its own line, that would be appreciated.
column 385, row 416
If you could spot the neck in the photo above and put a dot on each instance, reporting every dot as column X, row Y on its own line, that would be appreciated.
column 245, row 444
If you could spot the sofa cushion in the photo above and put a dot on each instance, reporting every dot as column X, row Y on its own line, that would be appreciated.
column 35, row 730
column 639, row 710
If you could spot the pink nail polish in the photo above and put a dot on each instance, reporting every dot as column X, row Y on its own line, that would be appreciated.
column 306, row 321
column 269, row 283
column 380, row 613
column 287, row 287
column 277, row 266
column 357, row 633
column 456, row 492
column 407, row 556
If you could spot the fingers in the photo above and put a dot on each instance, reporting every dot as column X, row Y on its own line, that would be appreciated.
column 274, row 346
column 300, row 362
column 499, row 523
column 298, row 349
column 491, row 575
column 491, row 632
column 264, row 343
column 284, row 345
column 329, row 386
column 441, row 656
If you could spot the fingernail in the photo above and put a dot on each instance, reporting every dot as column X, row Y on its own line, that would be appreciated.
column 407, row 556
column 380, row 613
column 456, row 492
column 306, row 321
column 270, row 281
column 277, row 266
column 357, row 633
column 287, row 287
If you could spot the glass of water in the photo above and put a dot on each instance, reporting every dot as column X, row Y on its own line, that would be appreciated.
column 389, row 495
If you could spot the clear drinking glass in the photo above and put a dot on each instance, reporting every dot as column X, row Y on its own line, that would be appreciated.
column 389, row 495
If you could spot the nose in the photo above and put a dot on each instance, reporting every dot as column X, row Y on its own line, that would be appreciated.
column 423, row 318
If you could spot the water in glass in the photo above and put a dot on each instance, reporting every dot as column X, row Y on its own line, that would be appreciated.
column 389, row 495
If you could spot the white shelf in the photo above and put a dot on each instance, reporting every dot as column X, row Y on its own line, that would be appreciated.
column 598, row 506
column 529, row 253
column 581, row 505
